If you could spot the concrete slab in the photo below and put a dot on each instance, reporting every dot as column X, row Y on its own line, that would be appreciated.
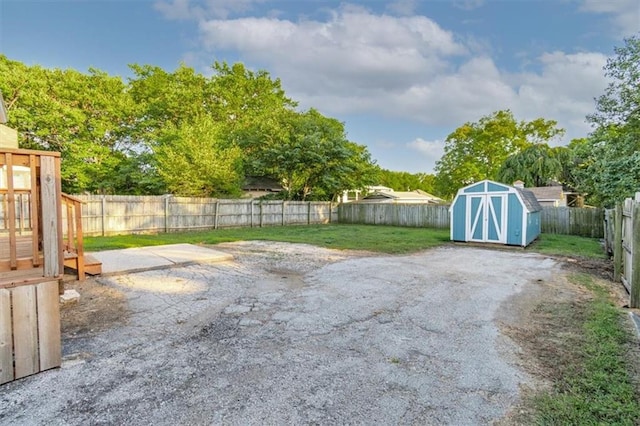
column 156, row 257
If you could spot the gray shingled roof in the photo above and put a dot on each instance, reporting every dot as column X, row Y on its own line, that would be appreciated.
column 529, row 199
column 547, row 192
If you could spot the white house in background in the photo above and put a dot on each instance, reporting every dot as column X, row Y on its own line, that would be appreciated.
column 554, row 196
column 356, row 194
column 401, row 197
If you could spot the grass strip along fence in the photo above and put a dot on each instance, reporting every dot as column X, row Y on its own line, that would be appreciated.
column 596, row 388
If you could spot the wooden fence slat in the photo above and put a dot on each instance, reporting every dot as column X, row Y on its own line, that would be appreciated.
column 49, row 325
column 617, row 244
column 25, row 331
column 6, row 338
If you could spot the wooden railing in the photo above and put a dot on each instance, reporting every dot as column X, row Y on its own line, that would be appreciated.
column 72, row 243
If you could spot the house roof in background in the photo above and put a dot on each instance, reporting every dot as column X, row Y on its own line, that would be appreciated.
column 261, row 183
column 3, row 111
column 547, row 193
column 403, row 196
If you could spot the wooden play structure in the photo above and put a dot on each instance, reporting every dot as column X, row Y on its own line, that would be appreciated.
column 40, row 233
column 31, row 262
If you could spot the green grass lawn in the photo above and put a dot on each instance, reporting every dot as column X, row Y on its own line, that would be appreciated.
column 384, row 239
column 568, row 245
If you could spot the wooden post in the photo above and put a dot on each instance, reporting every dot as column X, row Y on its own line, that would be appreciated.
column 103, row 214
column 79, row 239
column 215, row 218
column 50, row 217
column 166, row 213
column 260, row 213
column 635, row 257
column 284, row 206
column 35, row 220
column 13, row 248
column 617, row 243
column 251, row 214
column 309, row 213
column 330, row 210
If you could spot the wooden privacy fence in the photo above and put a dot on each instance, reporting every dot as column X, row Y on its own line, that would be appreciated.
column 121, row 214
column 586, row 222
column 414, row 215
column 625, row 245
column 124, row 214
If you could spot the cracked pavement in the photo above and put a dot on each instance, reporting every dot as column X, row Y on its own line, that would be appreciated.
column 295, row 334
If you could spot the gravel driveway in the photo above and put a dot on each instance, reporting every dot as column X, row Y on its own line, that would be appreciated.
column 294, row 334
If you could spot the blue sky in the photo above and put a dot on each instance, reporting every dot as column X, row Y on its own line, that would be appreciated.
column 401, row 74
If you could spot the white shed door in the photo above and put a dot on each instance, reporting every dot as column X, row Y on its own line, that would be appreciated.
column 486, row 218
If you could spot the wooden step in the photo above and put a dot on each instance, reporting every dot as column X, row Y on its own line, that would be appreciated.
column 92, row 266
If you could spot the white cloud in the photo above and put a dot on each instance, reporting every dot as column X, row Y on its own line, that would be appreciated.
column 625, row 14
column 353, row 54
column 564, row 90
column 432, row 151
column 406, row 67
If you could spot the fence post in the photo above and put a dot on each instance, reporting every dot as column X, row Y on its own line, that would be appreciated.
column 283, row 207
column 617, row 243
column 215, row 217
column 260, row 213
column 251, row 214
column 103, row 214
column 635, row 257
column 166, row 213
column 309, row 213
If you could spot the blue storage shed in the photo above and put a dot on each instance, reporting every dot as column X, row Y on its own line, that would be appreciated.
column 492, row 212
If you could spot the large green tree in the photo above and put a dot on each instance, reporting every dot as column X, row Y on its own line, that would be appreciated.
column 405, row 181
column 311, row 156
column 535, row 165
column 195, row 160
column 610, row 166
column 83, row 116
column 476, row 151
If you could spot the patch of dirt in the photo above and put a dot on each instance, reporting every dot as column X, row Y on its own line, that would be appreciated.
column 601, row 268
column 100, row 308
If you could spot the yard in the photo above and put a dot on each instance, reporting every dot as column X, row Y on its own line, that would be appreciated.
column 298, row 334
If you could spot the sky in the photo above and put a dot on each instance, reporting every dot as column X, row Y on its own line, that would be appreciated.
column 401, row 74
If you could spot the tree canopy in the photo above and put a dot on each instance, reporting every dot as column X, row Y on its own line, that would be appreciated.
column 405, row 181
column 609, row 169
column 180, row 131
column 477, row 151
